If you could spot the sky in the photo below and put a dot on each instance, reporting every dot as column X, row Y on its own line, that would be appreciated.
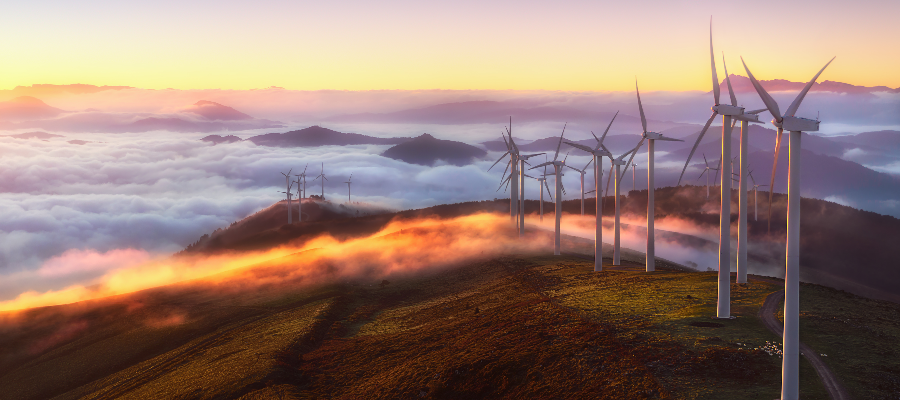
column 141, row 193
column 407, row 45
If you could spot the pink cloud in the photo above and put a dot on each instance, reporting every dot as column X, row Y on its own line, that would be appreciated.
column 77, row 261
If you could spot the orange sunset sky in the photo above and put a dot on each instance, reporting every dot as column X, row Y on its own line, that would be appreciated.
column 522, row 45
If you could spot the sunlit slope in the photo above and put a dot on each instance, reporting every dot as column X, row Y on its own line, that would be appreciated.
column 517, row 326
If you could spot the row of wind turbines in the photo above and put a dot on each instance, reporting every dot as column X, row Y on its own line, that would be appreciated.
column 301, row 190
column 731, row 114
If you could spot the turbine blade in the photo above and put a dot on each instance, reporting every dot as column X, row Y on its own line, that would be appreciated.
column 607, row 151
column 712, row 61
column 770, row 103
column 588, row 164
column 580, row 147
column 498, row 160
column 573, row 168
column 728, row 82
column 757, row 111
column 697, row 143
column 507, row 168
column 607, row 127
column 717, row 170
column 543, row 165
column 701, row 174
column 640, row 107
column 502, row 183
column 548, row 190
column 772, row 181
column 555, row 156
column 633, row 152
column 796, row 104
column 608, row 179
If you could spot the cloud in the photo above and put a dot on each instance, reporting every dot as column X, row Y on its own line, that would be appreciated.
column 75, row 261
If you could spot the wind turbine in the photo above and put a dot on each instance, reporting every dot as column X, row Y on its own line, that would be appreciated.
column 651, row 138
column 322, row 175
column 288, row 184
column 349, row 181
column 521, row 209
column 755, row 197
column 633, row 171
column 542, row 184
column 730, row 115
column 300, row 192
column 706, row 171
column 598, row 152
column 618, row 163
column 557, row 167
column 790, row 367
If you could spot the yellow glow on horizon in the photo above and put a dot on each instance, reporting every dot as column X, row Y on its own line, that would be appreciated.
column 570, row 46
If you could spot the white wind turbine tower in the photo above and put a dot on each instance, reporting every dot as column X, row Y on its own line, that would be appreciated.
column 755, row 197
column 651, row 138
column 557, row 166
column 288, row 184
column 790, row 367
column 598, row 152
column 730, row 114
column 349, row 181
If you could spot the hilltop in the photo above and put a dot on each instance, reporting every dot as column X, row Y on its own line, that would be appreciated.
column 315, row 136
column 520, row 324
column 428, row 150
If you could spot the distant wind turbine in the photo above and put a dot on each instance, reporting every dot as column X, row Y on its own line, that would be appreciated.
column 322, row 176
column 557, row 166
column 707, row 173
column 651, row 138
column 301, row 190
column 288, row 184
column 790, row 367
column 755, row 197
column 617, row 174
column 349, row 181
column 597, row 153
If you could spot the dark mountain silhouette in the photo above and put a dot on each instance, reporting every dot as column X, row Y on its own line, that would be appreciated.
column 742, row 84
column 427, row 150
column 216, row 112
column 315, row 136
column 34, row 135
column 216, row 139
column 27, row 107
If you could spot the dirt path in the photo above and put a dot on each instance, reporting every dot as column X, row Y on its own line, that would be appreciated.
column 767, row 315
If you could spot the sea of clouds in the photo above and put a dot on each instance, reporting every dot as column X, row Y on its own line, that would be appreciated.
column 69, row 213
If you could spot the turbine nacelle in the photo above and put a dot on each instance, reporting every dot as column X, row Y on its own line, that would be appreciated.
column 749, row 117
column 725, row 109
column 798, row 124
column 659, row 136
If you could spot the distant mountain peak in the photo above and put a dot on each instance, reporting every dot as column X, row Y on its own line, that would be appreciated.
column 742, row 84
column 216, row 112
column 425, row 136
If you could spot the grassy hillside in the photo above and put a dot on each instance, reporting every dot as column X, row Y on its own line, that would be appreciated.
column 524, row 325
